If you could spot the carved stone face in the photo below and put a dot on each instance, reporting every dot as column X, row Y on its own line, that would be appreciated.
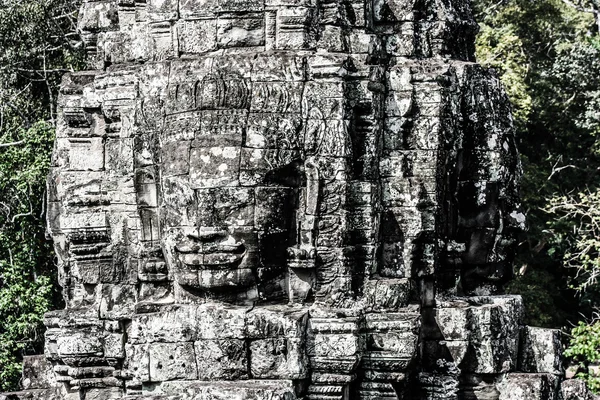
column 229, row 162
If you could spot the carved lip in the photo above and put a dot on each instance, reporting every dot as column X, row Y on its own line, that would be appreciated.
column 220, row 260
column 208, row 252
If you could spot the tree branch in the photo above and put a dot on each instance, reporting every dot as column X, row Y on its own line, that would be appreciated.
column 579, row 7
column 11, row 143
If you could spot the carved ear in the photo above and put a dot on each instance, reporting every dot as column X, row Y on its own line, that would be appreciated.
column 312, row 186
column 302, row 257
column 309, row 206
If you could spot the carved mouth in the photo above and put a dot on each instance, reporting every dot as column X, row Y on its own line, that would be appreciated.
column 221, row 260
column 211, row 250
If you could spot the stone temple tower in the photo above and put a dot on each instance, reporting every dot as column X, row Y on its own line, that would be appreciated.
column 286, row 200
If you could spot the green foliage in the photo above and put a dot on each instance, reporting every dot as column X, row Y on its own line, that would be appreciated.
column 25, row 257
column 548, row 56
column 579, row 215
column 37, row 47
column 546, row 53
column 500, row 47
column 584, row 348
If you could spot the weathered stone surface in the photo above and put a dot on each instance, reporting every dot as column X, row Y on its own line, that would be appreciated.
column 517, row 386
column 575, row 389
column 224, row 359
column 244, row 390
column 33, row 394
column 482, row 334
column 37, row 373
column 541, row 351
column 170, row 361
column 286, row 199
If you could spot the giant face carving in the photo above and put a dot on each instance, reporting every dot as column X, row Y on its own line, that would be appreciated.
column 318, row 154
column 230, row 156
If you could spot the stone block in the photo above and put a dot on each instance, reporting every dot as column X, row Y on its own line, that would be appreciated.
column 37, row 373
column 160, row 40
column 85, row 153
column 268, row 130
column 79, row 343
column 221, row 128
column 117, row 301
column 540, row 351
column 262, row 389
column 479, row 386
column 176, row 325
column 332, row 38
column 146, row 189
column 276, row 97
column 426, row 133
column 273, row 206
column 516, row 386
column 92, row 272
column 575, row 389
column 114, row 47
column 163, row 10
column 275, row 322
column 239, row 6
column 114, row 345
column 35, row 394
column 194, row 9
column 197, row 36
column 259, row 165
column 172, row 361
column 278, row 358
column 336, row 345
column 98, row 16
column 482, row 334
column 224, row 359
column 175, row 158
column 137, row 363
column 407, row 163
column 234, row 30
column 276, row 67
column 291, row 28
column 387, row 294
column 221, row 322
column 359, row 41
column 396, row 344
column 397, row 10
column 109, row 393
column 409, row 192
column 399, row 104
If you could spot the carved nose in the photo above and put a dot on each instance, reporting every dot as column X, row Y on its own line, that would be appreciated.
column 210, row 234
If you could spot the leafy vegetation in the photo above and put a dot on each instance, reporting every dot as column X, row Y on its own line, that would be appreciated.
column 36, row 50
column 548, row 56
column 584, row 349
column 26, row 258
column 546, row 53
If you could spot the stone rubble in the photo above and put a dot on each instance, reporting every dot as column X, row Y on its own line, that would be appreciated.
column 287, row 199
